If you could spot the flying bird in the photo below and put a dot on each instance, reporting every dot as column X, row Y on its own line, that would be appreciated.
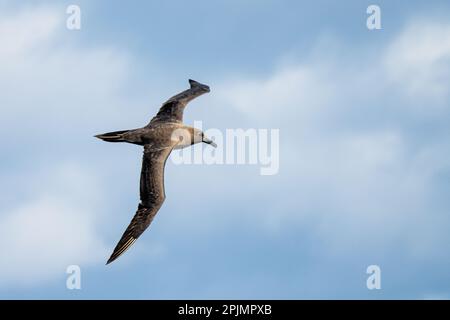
column 164, row 133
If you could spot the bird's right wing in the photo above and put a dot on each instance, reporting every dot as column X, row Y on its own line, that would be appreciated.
column 152, row 197
column 172, row 109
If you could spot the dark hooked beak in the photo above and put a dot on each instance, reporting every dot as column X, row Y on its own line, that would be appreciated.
column 209, row 141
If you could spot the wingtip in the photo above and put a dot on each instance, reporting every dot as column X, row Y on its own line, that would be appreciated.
column 194, row 83
column 119, row 250
column 114, row 256
column 111, row 259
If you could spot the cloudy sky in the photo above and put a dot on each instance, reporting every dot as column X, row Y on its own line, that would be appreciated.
column 364, row 172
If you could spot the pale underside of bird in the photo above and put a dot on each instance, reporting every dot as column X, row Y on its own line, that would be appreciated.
column 164, row 133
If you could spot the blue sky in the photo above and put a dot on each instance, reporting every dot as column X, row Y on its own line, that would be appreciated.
column 364, row 158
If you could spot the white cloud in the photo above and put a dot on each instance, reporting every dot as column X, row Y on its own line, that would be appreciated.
column 54, row 227
column 356, row 173
column 418, row 60
column 46, row 76
column 26, row 30
column 49, row 83
column 300, row 89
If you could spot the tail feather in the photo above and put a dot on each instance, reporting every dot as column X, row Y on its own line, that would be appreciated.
column 116, row 136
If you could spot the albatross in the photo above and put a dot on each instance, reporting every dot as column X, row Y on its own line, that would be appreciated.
column 164, row 133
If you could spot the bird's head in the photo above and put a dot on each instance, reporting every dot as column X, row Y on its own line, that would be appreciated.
column 199, row 136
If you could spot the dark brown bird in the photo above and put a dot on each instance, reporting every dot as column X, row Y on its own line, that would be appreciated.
column 164, row 133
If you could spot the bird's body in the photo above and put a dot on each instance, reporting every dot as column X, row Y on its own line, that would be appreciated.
column 161, row 133
column 164, row 133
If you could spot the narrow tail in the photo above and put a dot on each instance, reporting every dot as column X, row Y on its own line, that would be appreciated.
column 116, row 136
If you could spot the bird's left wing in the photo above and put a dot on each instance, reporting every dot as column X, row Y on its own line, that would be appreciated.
column 152, row 197
column 172, row 109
